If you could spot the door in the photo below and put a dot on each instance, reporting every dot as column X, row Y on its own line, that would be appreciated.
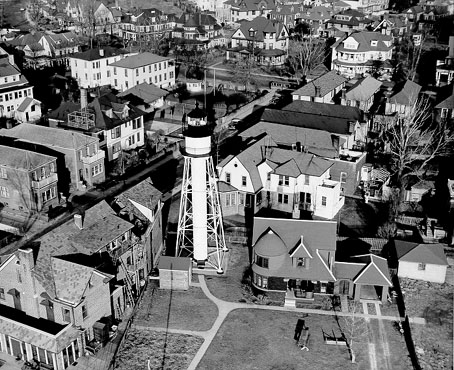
column 50, row 312
column 16, row 299
column 16, row 348
column 343, row 287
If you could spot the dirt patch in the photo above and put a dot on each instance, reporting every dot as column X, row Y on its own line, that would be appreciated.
column 371, row 309
column 433, row 341
column 163, row 351
column 188, row 310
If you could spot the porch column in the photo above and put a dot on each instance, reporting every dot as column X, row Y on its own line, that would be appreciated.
column 351, row 286
column 3, row 343
column 384, row 294
column 357, row 292
column 54, row 361
column 28, row 351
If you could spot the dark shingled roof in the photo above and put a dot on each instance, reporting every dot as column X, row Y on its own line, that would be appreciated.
column 328, row 110
column 22, row 159
column 421, row 253
column 327, row 83
column 94, row 54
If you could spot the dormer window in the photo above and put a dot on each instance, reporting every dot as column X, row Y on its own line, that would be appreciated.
column 301, row 262
column 373, row 43
column 251, row 32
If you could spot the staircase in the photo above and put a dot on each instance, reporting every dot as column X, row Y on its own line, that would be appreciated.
column 344, row 303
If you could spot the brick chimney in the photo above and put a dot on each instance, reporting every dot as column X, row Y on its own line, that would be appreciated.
column 83, row 98
column 318, row 93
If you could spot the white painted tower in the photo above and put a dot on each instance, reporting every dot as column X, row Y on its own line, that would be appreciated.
column 200, row 233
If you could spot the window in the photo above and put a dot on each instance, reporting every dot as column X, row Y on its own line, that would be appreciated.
column 66, row 314
column 285, row 198
column 137, row 71
column 241, row 198
column 96, row 170
column 280, row 197
column 84, row 312
column 126, row 73
column 284, row 180
column 227, row 178
column 306, row 179
column 171, row 74
column 230, row 199
column 261, row 261
column 19, row 276
column 2, row 293
column 324, row 201
column 3, row 173
column 243, row 181
column 301, row 262
column 343, row 177
column 421, row 266
column 138, row 136
column 268, row 176
column 4, row 192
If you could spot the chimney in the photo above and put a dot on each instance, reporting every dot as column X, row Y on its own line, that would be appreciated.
column 101, row 52
column 78, row 220
column 451, row 46
column 83, row 98
column 26, row 258
column 351, row 127
column 186, row 17
column 317, row 92
column 344, row 92
column 11, row 59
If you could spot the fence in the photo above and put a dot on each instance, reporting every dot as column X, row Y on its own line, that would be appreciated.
column 236, row 235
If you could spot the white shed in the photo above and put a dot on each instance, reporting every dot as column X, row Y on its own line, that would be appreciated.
column 175, row 272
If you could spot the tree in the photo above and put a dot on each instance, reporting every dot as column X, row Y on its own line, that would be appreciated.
column 305, row 55
column 300, row 30
column 413, row 142
column 407, row 56
column 354, row 329
column 35, row 14
column 245, row 72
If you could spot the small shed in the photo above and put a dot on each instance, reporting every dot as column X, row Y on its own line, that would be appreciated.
column 175, row 272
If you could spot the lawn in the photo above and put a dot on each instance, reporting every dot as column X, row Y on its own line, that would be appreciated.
column 258, row 339
column 164, row 351
column 228, row 287
column 434, row 302
column 176, row 310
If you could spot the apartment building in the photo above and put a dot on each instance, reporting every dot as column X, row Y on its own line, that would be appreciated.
column 53, row 298
column 28, row 180
column 362, row 53
column 144, row 67
column 265, row 39
column 200, row 29
column 349, row 20
column 266, row 176
column 249, row 9
column 90, row 68
column 82, row 164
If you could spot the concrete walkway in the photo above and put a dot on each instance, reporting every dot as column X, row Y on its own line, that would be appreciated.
column 224, row 308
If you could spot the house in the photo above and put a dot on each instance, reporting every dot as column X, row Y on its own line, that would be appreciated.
column 140, row 68
column 107, row 20
column 44, row 49
column 142, row 206
column 14, row 89
column 267, row 40
column 394, row 25
column 67, row 284
column 287, row 13
column 117, row 124
column 425, row 262
column 28, row 111
column 322, row 89
column 28, row 180
column 403, row 98
column 89, row 68
column 83, row 163
column 413, row 15
column 362, row 53
column 363, row 277
column 144, row 25
column 263, row 175
column 366, row 6
column 445, row 108
column 361, row 94
column 316, row 17
column 349, row 20
column 293, row 258
column 200, row 29
column 249, row 9
column 147, row 97
column 419, row 190
column 325, row 136
column 445, row 68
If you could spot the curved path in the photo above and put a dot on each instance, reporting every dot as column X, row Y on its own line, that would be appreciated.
column 224, row 308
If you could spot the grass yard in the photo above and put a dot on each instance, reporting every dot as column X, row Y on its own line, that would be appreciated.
column 258, row 339
column 228, row 287
column 190, row 310
column 164, row 351
column 434, row 302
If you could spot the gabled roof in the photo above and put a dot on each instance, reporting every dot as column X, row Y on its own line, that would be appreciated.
column 376, row 271
column 333, row 125
column 149, row 93
column 420, row 253
column 95, row 54
column 405, row 94
column 300, row 251
column 363, row 89
column 7, row 69
column 325, row 83
column 196, row 20
column 144, row 194
column 26, row 103
column 316, row 141
column 22, row 159
column 139, row 60
column 48, row 136
column 261, row 25
column 278, row 237
column 30, row 38
column 364, row 40
column 324, row 109
column 448, row 103
column 65, row 108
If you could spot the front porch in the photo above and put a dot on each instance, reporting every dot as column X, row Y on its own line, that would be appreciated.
column 361, row 292
column 299, row 291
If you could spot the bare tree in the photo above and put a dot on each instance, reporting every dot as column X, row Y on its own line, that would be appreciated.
column 245, row 72
column 354, row 328
column 413, row 142
column 36, row 14
column 408, row 54
column 305, row 55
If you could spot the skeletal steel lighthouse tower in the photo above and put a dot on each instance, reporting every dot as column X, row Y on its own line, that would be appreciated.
column 200, row 233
